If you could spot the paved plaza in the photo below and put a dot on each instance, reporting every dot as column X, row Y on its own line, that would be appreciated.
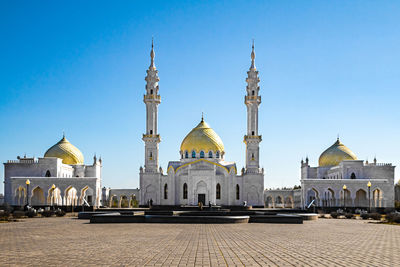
column 72, row 242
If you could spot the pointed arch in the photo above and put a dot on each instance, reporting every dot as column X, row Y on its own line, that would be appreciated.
column 361, row 198
column 218, row 191
column 377, row 197
column 37, row 198
column 20, row 196
column 269, row 203
column 185, row 191
column 166, row 191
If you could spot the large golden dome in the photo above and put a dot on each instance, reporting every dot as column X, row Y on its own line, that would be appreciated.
column 336, row 154
column 65, row 151
column 202, row 138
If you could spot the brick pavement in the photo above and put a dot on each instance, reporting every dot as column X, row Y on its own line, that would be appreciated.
column 72, row 242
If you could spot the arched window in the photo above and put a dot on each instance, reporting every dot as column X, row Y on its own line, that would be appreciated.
column 48, row 174
column 217, row 155
column 252, row 133
column 151, row 91
column 353, row 176
column 165, row 191
column 218, row 191
column 151, row 131
column 184, row 191
column 193, row 154
column 186, row 154
column 202, row 154
column 151, row 156
column 252, row 92
column 237, row 192
column 252, row 156
column 210, row 154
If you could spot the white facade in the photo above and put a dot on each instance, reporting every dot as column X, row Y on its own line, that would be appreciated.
column 204, row 176
column 325, row 184
column 73, row 184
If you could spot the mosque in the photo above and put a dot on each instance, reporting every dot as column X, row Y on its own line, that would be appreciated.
column 340, row 180
column 60, row 178
column 202, row 174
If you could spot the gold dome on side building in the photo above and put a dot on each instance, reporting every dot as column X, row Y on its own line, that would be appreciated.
column 65, row 151
column 202, row 138
column 336, row 154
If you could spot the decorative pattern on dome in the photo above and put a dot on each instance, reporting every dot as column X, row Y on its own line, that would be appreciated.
column 336, row 154
column 65, row 151
column 202, row 138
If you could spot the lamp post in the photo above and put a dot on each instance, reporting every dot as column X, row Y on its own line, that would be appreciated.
column 369, row 196
column 27, row 182
column 344, row 197
column 52, row 196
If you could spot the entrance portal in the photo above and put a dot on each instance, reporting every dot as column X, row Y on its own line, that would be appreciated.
column 202, row 198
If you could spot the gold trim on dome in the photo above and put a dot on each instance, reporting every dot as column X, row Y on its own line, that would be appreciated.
column 336, row 154
column 202, row 138
column 66, row 151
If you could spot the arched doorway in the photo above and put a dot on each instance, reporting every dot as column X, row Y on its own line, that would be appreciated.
column 71, row 196
column 289, row 202
column 133, row 203
column 123, row 202
column 201, row 191
column 269, row 202
column 86, row 196
column 330, row 198
column 20, row 196
column 312, row 195
column 54, row 197
column 37, row 198
column 345, row 195
column 377, row 198
column 361, row 199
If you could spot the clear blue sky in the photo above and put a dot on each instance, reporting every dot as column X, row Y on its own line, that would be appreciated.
column 326, row 68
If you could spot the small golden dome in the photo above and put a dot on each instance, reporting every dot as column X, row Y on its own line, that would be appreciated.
column 202, row 138
column 336, row 154
column 65, row 151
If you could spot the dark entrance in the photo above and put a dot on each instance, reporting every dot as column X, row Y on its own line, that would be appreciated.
column 202, row 198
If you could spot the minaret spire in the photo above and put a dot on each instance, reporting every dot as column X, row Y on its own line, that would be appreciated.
column 152, row 55
column 253, row 57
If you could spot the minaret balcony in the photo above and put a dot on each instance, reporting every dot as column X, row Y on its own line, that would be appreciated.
column 152, row 98
column 252, row 139
column 250, row 99
column 151, row 138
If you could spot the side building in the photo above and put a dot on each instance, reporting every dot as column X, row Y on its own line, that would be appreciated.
column 341, row 180
column 60, row 178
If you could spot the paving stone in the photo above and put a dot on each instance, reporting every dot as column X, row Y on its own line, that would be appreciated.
column 72, row 242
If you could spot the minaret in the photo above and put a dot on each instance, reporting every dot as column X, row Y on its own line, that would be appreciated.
column 151, row 138
column 252, row 100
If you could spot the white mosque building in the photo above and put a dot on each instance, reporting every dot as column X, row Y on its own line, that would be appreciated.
column 60, row 178
column 342, row 180
column 202, row 174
